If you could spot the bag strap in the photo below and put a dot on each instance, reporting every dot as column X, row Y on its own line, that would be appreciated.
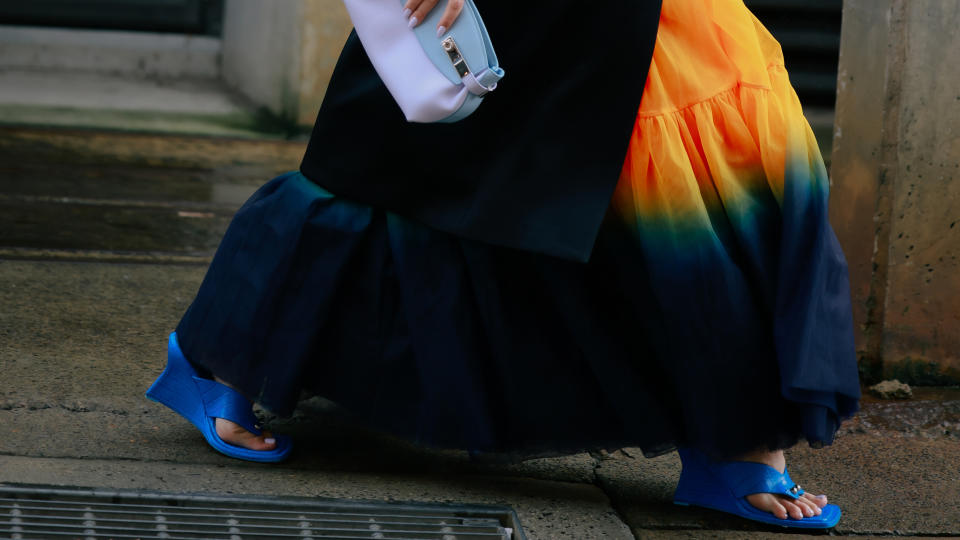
column 468, row 48
column 486, row 80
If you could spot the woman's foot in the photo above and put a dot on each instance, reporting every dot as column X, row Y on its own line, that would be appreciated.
column 204, row 402
column 235, row 434
column 781, row 506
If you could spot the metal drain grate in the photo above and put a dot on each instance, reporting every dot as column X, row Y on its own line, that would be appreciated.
column 29, row 512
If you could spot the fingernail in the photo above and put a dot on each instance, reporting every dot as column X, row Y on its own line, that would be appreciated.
column 270, row 440
column 821, row 496
column 407, row 13
column 413, row 22
column 441, row 31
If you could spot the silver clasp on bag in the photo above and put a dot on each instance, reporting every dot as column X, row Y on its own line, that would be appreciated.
column 450, row 45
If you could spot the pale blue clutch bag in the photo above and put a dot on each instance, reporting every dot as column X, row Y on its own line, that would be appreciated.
column 464, row 54
column 432, row 79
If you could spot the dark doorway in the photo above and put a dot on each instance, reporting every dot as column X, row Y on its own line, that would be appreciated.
column 179, row 16
column 809, row 33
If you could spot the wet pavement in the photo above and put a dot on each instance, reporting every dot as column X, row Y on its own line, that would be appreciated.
column 88, row 194
column 932, row 413
column 104, row 238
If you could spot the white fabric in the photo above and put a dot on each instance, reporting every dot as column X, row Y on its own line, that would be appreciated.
column 422, row 91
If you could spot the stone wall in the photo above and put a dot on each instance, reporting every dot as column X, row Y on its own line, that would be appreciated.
column 326, row 26
column 896, row 184
column 280, row 53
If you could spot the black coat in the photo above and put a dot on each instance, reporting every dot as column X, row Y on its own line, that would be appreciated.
column 535, row 167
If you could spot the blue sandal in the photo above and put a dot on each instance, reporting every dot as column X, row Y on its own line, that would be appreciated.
column 724, row 486
column 201, row 401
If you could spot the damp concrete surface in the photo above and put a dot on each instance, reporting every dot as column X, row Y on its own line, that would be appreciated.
column 104, row 239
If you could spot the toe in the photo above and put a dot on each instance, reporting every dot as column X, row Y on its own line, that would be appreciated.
column 784, row 507
column 768, row 503
column 814, row 503
column 793, row 510
column 778, row 510
column 236, row 435
column 265, row 441
column 808, row 508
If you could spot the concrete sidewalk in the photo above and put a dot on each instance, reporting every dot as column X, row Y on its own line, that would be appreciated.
column 104, row 238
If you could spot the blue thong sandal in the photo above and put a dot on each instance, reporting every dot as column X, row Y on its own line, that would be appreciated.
column 724, row 486
column 201, row 401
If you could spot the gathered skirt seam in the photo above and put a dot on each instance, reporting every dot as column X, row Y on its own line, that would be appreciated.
column 714, row 97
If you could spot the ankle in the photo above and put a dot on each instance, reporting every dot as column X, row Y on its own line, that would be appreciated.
column 774, row 458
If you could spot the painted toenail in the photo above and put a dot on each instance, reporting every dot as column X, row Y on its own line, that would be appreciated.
column 270, row 440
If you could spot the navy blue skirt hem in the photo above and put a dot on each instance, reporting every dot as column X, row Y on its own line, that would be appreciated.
column 454, row 343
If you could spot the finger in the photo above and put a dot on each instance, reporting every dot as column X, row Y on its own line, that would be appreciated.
column 410, row 6
column 454, row 9
column 421, row 11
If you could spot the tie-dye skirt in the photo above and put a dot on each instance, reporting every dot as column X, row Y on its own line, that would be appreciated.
column 714, row 312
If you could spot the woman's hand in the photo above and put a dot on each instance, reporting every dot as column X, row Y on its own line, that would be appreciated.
column 417, row 10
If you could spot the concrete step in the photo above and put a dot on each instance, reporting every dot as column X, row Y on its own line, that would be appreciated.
column 114, row 92
column 127, row 103
column 129, row 81
column 118, row 184
column 63, row 149
column 138, row 54
column 84, row 195
column 100, row 226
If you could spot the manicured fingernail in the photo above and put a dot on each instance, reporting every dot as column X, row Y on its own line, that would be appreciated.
column 441, row 31
column 407, row 13
column 270, row 440
column 413, row 22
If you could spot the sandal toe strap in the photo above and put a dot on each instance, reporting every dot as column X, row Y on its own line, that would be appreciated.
column 221, row 401
column 746, row 478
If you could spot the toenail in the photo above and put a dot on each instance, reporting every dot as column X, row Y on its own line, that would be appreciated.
column 270, row 440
